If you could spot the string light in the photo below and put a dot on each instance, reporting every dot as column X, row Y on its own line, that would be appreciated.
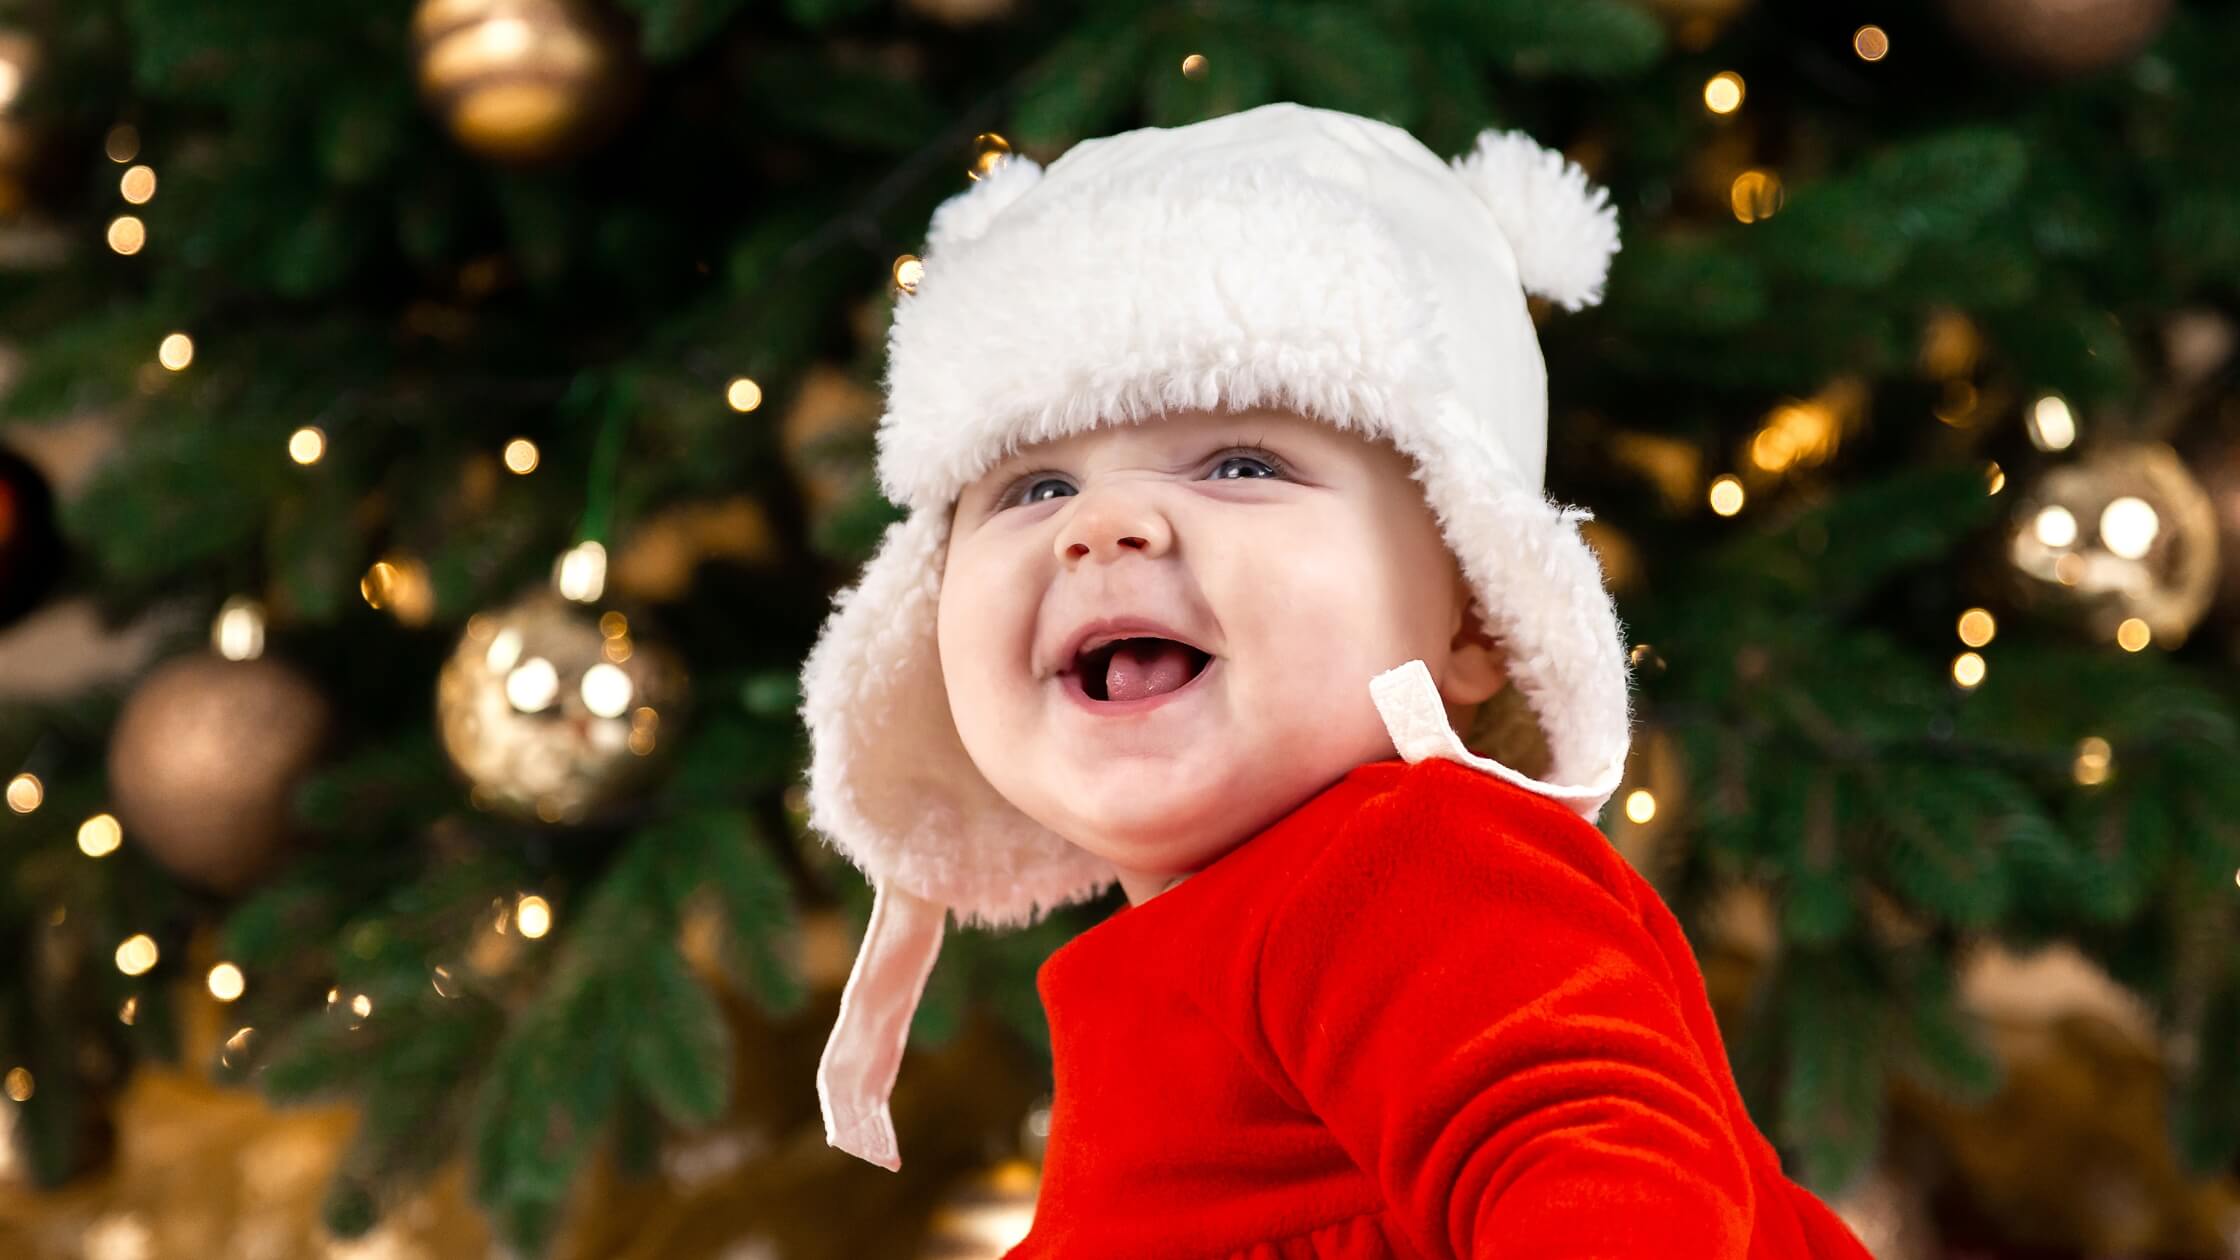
column 2052, row 425
column 908, row 270
column 1194, row 66
column 2093, row 758
column 122, row 144
column 20, row 1085
column 25, row 792
column 2054, row 526
column 129, row 1012
column 307, row 444
column 236, row 1046
column 2128, row 526
column 1977, row 627
column 1755, row 195
column 533, row 915
column 176, row 352
column 581, row 572
column 237, row 632
column 1967, row 669
column 1995, row 477
column 1872, row 43
column 1723, row 93
column 521, row 456
column 227, row 982
column 361, row 1005
column 2134, row 635
column 445, row 984
column 99, row 836
column 127, row 234
column 1641, row 805
column 1726, row 495
column 743, row 393
column 136, row 954
column 137, row 185
column 990, row 150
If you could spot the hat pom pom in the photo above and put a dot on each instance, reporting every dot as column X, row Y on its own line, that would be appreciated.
column 1559, row 225
column 966, row 215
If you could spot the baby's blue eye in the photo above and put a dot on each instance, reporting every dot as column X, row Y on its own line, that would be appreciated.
column 1022, row 491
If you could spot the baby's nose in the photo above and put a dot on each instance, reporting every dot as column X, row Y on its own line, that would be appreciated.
column 1105, row 524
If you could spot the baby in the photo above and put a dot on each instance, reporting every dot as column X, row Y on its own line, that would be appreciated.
column 1222, row 448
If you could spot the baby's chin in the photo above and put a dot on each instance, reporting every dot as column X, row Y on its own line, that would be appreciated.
column 1162, row 819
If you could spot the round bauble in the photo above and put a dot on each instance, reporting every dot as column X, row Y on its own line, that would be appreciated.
column 554, row 711
column 522, row 81
column 30, row 543
column 2058, row 38
column 2123, row 535
column 204, row 762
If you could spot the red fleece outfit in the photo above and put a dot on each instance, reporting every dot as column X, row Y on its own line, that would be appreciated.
column 1426, row 1014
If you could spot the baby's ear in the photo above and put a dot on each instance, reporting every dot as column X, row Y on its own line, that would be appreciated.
column 965, row 216
column 1477, row 668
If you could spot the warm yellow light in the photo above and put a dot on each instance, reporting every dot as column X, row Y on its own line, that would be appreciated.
column 100, row 835
column 533, row 915
column 1872, row 43
column 1977, row 626
column 521, row 456
column 743, row 393
column 138, row 185
column 2093, row 758
column 307, row 444
column 25, row 792
column 127, row 234
column 136, row 954
column 1723, row 94
column 237, row 632
column 908, row 270
column 122, row 143
column 1194, row 66
column 20, row 1084
column 2128, row 526
column 361, row 1005
column 580, row 573
column 2134, row 635
column 129, row 1011
column 226, row 982
column 1641, row 805
column 176, row 351
column 1755, row 195
column 2055, row 526
column 613, row 624
column 378, row 582
column 1995, row 477
column 1967, row 669
column 989, row 151
column 1726, row 495
column 2052, row 425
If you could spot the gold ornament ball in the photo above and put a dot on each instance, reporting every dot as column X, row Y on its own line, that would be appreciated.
column 2126, row 532
column 2056, row 38
column 521, row 81
column 204, row 761
column 553, row 710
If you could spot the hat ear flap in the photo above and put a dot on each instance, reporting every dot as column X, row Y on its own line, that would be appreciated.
column 1559, row 224
column 965, row 216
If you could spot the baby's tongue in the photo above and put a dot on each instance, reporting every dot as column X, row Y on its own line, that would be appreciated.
column 1146, row 667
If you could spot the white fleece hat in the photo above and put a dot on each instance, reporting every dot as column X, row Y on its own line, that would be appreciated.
column 1282, row 256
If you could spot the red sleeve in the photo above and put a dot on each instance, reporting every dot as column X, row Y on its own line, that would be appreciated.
column 1460, row 987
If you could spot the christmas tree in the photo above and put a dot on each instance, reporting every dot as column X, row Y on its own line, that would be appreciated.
column 431, row 435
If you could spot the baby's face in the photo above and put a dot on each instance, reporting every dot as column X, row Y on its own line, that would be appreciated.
column 1298, row 559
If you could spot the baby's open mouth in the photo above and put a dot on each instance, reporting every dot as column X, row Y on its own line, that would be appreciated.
column 1137, row 669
